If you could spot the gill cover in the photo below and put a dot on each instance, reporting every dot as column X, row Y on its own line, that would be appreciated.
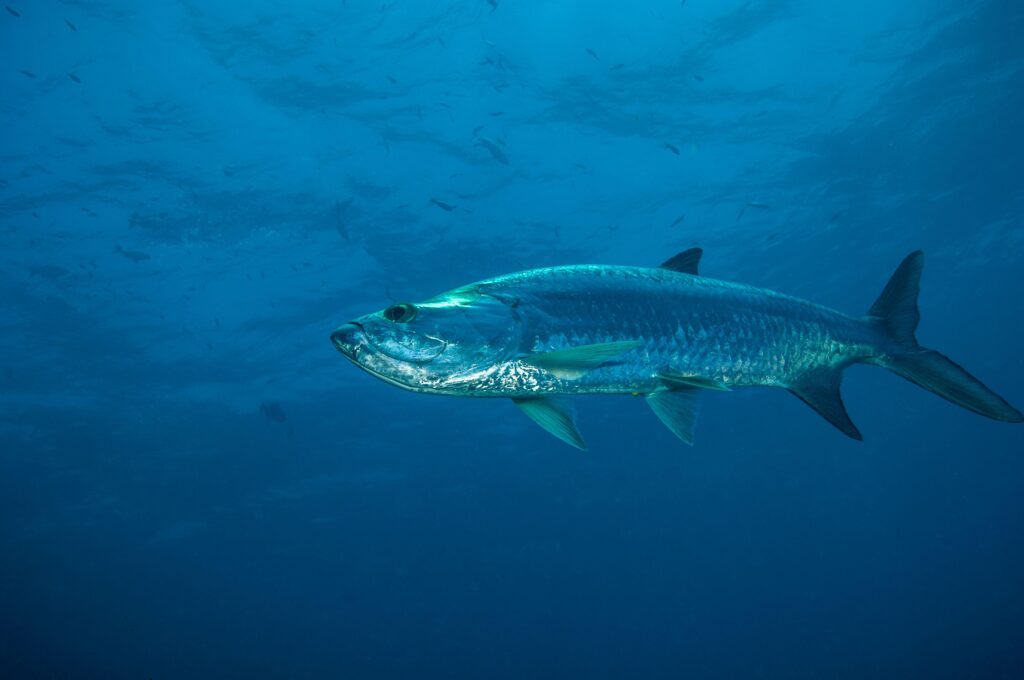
column 441, row 342
column 478, row 329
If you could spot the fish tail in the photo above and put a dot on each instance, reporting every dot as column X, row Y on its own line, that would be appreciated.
column 896, row 315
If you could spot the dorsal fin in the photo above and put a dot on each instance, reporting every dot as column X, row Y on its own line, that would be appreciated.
column 685, row 262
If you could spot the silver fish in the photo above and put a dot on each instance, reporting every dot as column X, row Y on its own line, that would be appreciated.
column 666, row 333
column 492, row 147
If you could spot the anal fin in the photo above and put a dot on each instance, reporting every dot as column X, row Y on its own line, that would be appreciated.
column 677, row 408
column 820, row 390
column 554, row 415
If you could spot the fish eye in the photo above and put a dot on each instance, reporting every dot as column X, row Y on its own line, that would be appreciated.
column 400, row 313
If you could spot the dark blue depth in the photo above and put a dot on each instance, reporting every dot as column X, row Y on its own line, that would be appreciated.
column 195, row 484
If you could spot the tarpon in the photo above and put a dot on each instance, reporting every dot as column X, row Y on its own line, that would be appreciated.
column 667, row 333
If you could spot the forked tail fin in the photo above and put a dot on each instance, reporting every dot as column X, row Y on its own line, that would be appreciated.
column 895, row 312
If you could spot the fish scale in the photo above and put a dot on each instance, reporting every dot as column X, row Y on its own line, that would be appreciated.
column 690, row 325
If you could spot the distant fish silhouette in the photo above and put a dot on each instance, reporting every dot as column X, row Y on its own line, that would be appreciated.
column 75, row 78
column 12, row 12
column 273, row 411
column 27, row 74
column 135, row 256
column 496, row 151
column 672, row 148
column 699, row 78
column 71, row 26
column 447, row 207
column 678, row 220
column 339, row 218
column 592, row 53
column 759, row 206
column 50, row 272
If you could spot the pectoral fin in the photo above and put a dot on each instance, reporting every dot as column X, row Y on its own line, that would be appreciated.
column 820, row 390
column 673, row 380
column 575, row 361
column 677, row 408
column 554, row 415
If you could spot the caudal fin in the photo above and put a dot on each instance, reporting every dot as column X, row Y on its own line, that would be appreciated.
column 895, row 312
column 936, row 373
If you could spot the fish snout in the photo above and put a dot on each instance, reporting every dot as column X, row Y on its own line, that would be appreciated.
column 348, row 337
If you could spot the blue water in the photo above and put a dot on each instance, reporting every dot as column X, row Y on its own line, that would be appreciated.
column 195, row 484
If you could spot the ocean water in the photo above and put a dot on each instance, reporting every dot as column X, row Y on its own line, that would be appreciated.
column 195, row 484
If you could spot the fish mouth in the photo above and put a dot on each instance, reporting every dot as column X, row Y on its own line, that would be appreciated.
column 351, row 340
column 348, row 338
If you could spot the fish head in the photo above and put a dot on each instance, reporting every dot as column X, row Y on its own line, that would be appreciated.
column 439, row 345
